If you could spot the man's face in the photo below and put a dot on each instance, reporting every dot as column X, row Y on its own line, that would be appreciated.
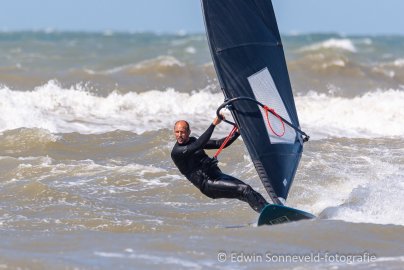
column 181, row 132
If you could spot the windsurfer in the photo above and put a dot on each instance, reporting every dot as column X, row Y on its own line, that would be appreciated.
column 202, row 171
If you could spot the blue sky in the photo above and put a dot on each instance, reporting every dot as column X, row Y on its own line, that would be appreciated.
column 301, row 16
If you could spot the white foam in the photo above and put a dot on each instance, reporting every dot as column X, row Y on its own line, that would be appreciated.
column 399, row 62
column 336, row 63
column 60, row 110
column 333, row 43
column 375, row 114
column 366, row 41
column 81, row 173
column 371, row 192
column 190, row 50
column 89, row 166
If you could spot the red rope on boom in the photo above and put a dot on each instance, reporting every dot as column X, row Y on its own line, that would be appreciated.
column 225, row 142
column 267, row 110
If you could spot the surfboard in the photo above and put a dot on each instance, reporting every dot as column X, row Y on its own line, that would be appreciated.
column 250, row 64
column 277, row 214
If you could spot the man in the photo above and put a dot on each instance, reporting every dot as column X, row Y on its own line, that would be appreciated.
column 189, row 156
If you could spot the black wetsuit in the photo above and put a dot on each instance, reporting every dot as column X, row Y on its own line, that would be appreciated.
column 203, row 172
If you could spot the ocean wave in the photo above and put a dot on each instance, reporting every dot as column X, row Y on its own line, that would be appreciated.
column 332, row 43
column 25, row 140
column 159, row 64
column 374, row 114
column 367, row 173
column 320, row 70
column 62, row 110
column 399, row 62
column 58, row 110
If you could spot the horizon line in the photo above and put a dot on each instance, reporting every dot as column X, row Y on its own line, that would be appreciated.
column 111, row 32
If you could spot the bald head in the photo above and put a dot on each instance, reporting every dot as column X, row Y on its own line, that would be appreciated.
column 182, row 123
column 182, row 131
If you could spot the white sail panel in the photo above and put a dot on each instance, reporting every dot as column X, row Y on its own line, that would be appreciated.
column 265, row 91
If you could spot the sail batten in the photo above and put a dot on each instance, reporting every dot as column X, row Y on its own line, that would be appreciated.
column 248, row 56
column 268, row 44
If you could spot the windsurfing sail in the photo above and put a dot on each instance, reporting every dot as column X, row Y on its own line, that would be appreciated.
column 249, row 60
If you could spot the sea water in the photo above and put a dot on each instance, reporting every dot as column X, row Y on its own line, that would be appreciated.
column 87, row 182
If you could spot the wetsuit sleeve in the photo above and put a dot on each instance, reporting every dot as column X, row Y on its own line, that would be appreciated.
column 215, row 144
column 195, row 146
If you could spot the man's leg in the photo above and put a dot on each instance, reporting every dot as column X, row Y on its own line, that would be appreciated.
column 226, row 186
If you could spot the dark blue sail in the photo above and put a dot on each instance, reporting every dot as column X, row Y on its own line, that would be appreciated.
column 249, row 60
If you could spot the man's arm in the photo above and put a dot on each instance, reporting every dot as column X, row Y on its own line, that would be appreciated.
column 215, row 144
